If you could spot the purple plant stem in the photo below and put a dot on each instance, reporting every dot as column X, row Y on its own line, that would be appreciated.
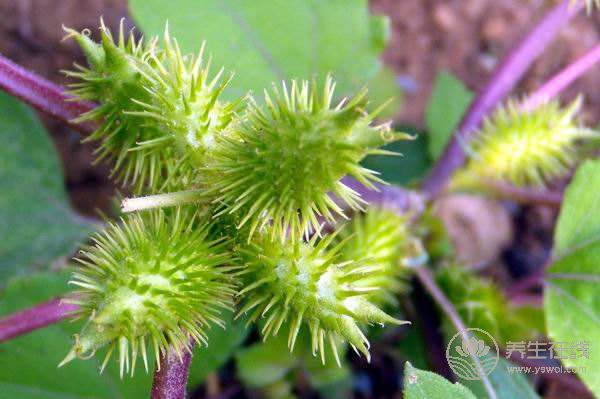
column 170, row 381
column 391, row 197
column 43, row 95
column 506, row 76
column 563, row 79
column 523, row 299
column 525, row 195
column 38, row 316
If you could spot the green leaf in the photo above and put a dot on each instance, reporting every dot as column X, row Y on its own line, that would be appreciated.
column 571, row 297
column 329, row 379
column 448, row 102
column 28, row 364
column 265, row 41
column 579, row 219
column 507, row 385
column 384, row 88
column 412, row 346
column 265, row 363
column 411, row 165
column 37, row 224
column 419, row 384
column 222, row 344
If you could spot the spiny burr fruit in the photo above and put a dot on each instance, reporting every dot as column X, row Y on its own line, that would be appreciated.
column 380, row 242
column 284, row 160
column 524, row 148
column 158, row 109
column 113, row 81
column 304, row 283
column 185, row 100
column 154, row 279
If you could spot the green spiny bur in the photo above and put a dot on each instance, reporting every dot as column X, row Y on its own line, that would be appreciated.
column 159, row 278
column 283, row 160
column 304, row 283
column 184, row 101
column 156, row 278
column 114, row 82
column 524, row 148
column 159, row 109
column 379, row 242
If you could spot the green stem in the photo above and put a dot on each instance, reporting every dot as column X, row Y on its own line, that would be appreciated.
column 162, row 200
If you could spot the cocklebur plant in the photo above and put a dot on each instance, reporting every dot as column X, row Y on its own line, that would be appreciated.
column 155, row 279
column 307, row 283
column 524, row 147
column 225, row 225
column 160, row 110
column 376, row 245
column 112, row 79
column 380, row 241
column 298, row 146
column 185, row 102
column 266, row 173
column 283, row 162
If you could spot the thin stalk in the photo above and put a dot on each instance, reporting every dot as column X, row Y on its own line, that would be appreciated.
column 392, row 197
column 170, row 380
column 162, row 200
column 43, row 95
column 426, row 279
column 504, row 79
column 38, row 316
column 563, row 79
column 525, row 195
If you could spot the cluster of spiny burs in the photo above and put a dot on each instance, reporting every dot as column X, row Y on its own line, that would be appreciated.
column 269, row 175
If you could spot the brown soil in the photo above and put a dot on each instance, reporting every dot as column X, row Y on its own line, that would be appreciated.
column 469, row 37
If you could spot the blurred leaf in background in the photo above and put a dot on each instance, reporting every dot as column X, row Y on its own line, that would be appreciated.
column 270, row 367
column 411, row 165
column 384, row 88
column 412, row 347
column 222, row 344
column 37, row 224
column 265, row 363
column 572, row 297
column 265, row 41
column 448, row 101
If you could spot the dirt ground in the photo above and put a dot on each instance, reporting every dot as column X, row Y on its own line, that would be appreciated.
column 465, row 37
